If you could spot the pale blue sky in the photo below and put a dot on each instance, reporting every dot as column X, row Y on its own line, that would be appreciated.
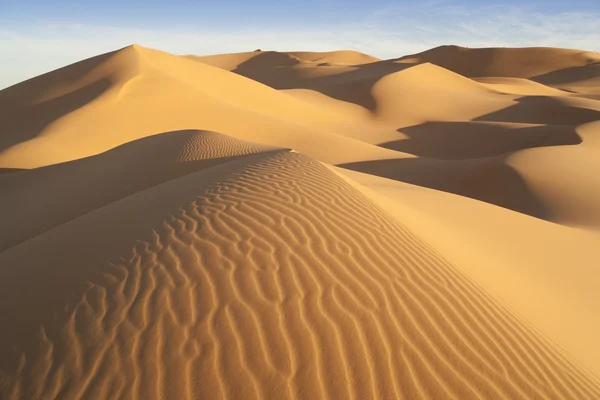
column 40, row 35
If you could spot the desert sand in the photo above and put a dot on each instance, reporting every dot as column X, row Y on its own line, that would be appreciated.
column 303, row 225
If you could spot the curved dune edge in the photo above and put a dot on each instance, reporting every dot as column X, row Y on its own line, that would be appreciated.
column 222, row 226
column 264, row 277
column 523, row 268
column 125, row 170
column 108, row 100
column 526, row 62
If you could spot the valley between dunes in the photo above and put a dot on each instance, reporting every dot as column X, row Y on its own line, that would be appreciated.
column 302, row 225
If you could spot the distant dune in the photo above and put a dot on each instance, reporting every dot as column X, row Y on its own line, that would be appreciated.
column 302, row 225
column 528, row 62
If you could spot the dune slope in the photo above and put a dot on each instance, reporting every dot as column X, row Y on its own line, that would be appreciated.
column 267, row 277
column 78, row 187
column 524, row 62
column 302, row 225
column 158, row 92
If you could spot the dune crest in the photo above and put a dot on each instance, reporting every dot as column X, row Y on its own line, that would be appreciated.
column 261, row 259
column 527, row 62
column 302, row 225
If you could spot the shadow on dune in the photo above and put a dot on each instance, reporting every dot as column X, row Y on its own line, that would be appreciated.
column 542, row 110
column 74, row 188
column 457, row 59
column 9, row 170
column 569, row 75
column 464, row 140
column 471, row 155
column 267, row 59
column 279, row 71
column 26, row 92
column 489, row 180
column 26, row 121
column 270, row 68
column 355, row 83
column 22, row 117
column 45, row 287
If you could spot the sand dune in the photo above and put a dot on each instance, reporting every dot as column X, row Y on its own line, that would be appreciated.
column 517, row 258
column 260, row 258
column 578, row 79
column 508, row 62
column 232, row 61
column 281, row 59
column 335, row 57
column 157, row 92
column 302, row 225
column 518, row 86
column 140, row 164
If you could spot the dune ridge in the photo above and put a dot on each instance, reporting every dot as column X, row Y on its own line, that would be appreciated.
column 302, row 225
column 192, row 94
column 139, row 164
column 526, row 62
column 430, row 332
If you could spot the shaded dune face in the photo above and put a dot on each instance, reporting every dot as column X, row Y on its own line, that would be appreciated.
column 66, row 191
column 490, row 180
column 453, row 140
column 265, row 277
column 528, row 62
column 273, row 225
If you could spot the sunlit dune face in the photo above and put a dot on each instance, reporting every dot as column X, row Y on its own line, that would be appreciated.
column 302, row 225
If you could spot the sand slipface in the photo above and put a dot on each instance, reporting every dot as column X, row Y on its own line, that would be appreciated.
column 270, row 225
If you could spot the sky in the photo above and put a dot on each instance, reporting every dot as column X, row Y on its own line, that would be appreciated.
column 37, row 36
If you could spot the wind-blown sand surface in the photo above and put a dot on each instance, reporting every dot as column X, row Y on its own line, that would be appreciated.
column 270, row 225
